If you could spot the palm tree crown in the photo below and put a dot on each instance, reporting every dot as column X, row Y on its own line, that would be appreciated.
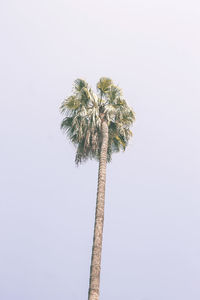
column 84, row 112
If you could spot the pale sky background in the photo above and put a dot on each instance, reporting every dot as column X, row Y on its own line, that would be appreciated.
column 151, row 249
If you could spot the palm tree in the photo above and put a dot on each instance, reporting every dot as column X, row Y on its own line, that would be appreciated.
column 98, row 125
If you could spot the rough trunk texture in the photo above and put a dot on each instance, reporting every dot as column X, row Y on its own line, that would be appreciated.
column 95, row 268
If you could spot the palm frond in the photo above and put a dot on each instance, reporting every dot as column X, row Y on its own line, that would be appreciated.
column 114, row 93
column 104, row 85
column 79, row 84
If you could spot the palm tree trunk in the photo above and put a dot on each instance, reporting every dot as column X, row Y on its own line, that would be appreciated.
column 95, row 267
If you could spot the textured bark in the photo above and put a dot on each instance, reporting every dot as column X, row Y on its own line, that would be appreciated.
column 95, row 268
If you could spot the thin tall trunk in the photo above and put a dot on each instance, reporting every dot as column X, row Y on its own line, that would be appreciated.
column 95, row 268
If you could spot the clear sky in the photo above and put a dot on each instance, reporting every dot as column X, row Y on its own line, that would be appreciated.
column 151, row 249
